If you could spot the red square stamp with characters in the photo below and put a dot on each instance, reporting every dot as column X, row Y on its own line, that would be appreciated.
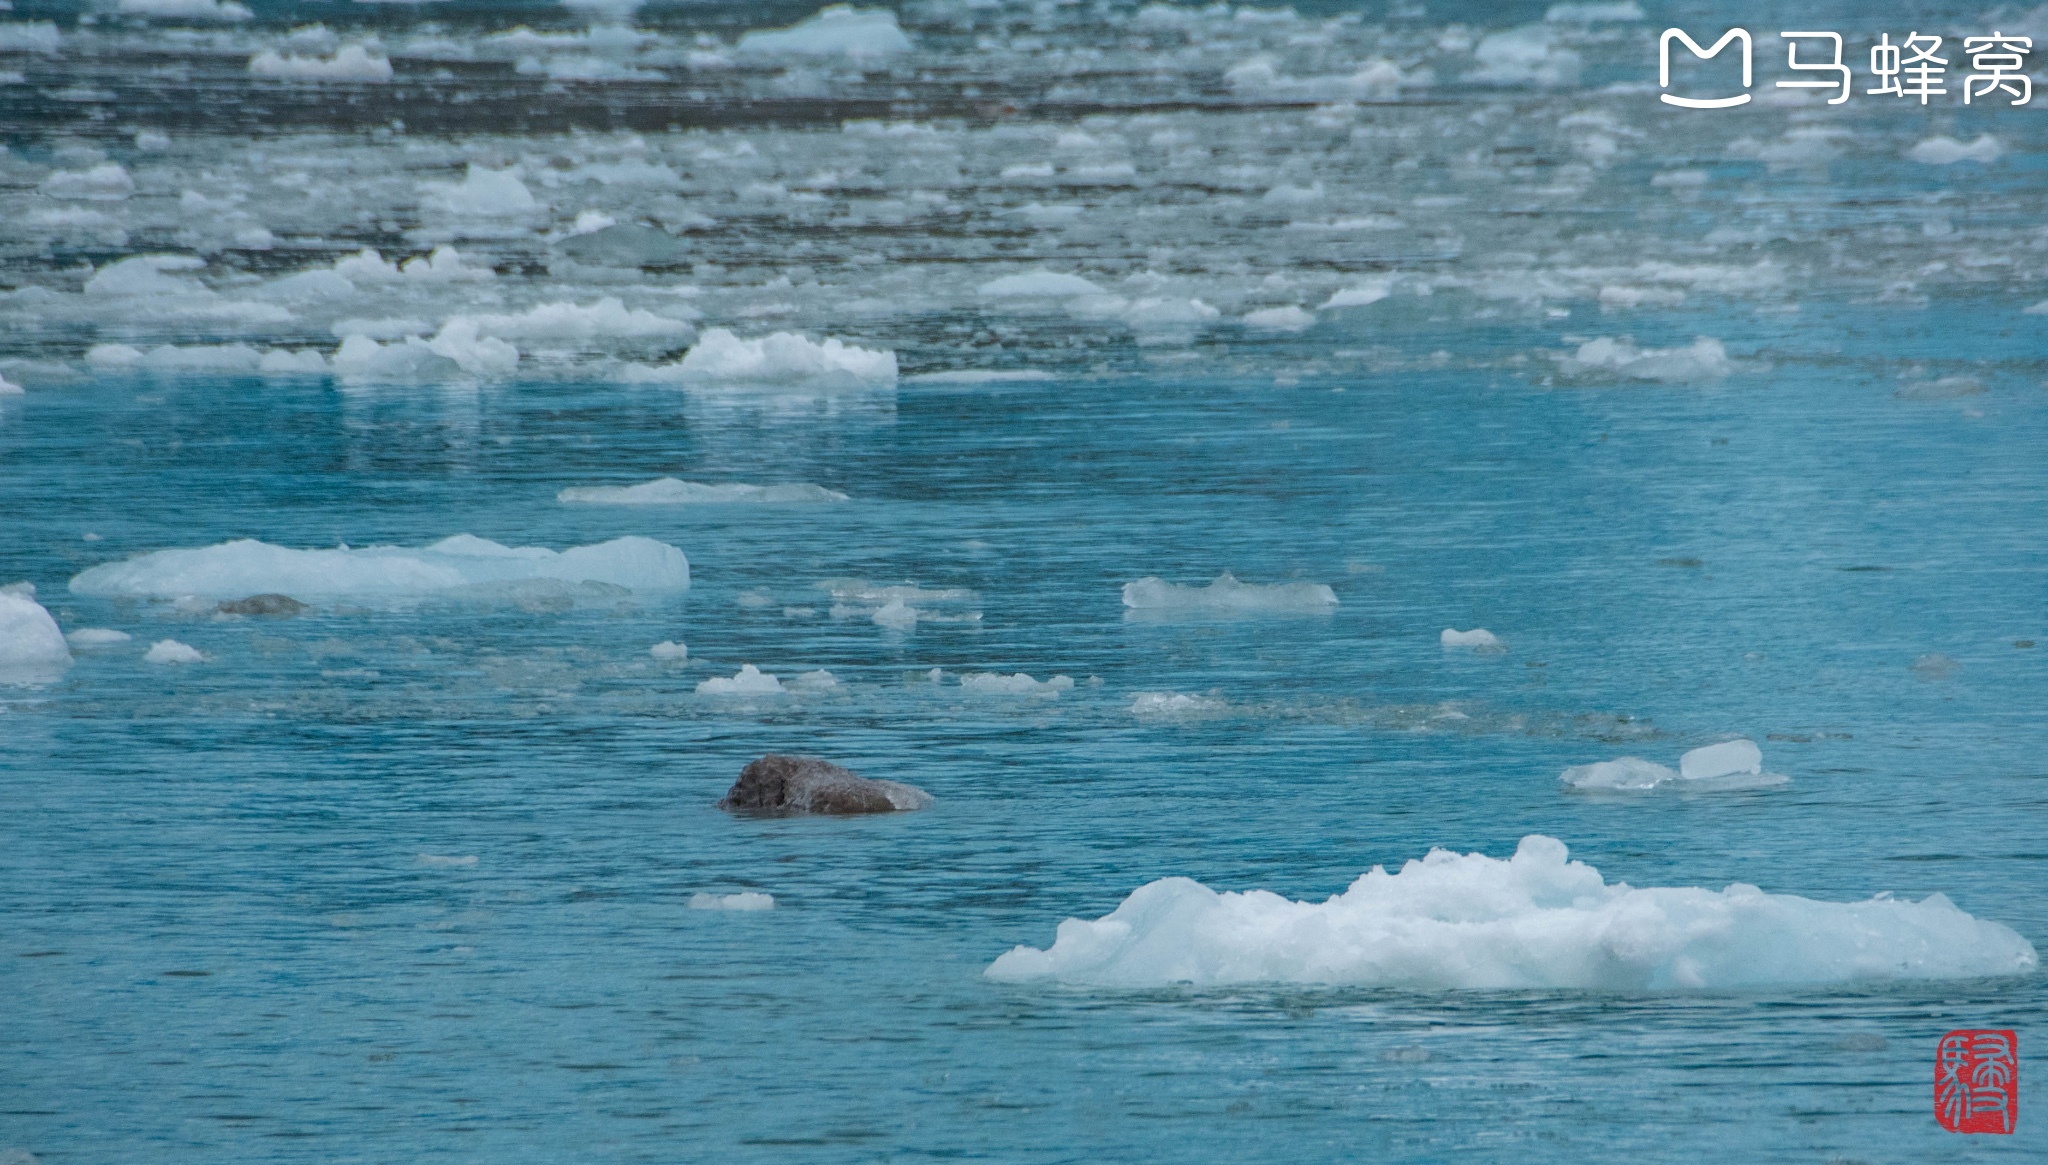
column 1977, row 1081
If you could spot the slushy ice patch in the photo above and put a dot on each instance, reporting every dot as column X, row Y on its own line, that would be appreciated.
column 1469, row 922
column 1227, row 596
column 247, row 566
column 744, row 900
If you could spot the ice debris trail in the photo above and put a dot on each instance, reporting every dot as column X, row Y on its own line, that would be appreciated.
column 1538, row 920
column 247, row 567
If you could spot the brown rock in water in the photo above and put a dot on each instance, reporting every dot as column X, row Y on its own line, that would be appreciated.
column 805, row 784
column 281, row 606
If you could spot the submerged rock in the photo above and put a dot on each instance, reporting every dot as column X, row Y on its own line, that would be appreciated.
column 280, row 606
column 805, row 784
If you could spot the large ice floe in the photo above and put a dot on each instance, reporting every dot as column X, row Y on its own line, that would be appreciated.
column 1537, row 920
column 1728, row 766
column 667, row 491
column 463, row 564
column 1228, row 597
column 783, row 360
column 32, row 648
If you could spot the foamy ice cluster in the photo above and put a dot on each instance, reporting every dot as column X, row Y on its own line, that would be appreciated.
column 1537, row 920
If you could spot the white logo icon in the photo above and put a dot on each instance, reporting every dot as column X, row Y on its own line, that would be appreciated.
column 1664, row 67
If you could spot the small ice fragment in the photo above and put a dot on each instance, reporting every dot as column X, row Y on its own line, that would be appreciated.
column 1942, row 150
column 172, row 651
column 1479, row 639
column 1728, row 758
column 349, row 63
column 1020, row 684
column 897, row 615
column 223, row 11
column 754, row 600
column 1281, row 319
column 446, row 860
column 1628, row 772
column 670, row 651
column 744, row 900
column 97, row 637
column 1038, row 285
column 816, row 680
column 748, row 681
column 8, row 387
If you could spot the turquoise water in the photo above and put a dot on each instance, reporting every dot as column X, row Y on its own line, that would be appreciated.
column 223, row 943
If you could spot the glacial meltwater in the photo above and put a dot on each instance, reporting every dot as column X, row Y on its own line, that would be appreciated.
column 1448, row 611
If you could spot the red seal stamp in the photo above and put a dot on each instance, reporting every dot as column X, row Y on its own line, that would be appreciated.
column 1977, row 1081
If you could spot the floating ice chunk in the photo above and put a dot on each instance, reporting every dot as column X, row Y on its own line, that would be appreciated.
column 1227, row 596
column 106, row 182
column 172, row 651
column 1366, row 293
column 1598, row 12
column 1536, row 921
column 624, row 245
column 283, row 362
column 1720, row 760
column 608, row 317
column 1375, row 79
column 840, row 30
column 1942, row 150
column 446, row 861
column 896, row 614
column 97, row 637
column 458, row 347
column 247, row 567
column 1706, row 359
column 445, row 265
column 1280, row 319
column 483, row 192
column 1020, row 684
column 721, row 359
column 30, row 36
column 1529, row 55
column 1038, row 285
column 173, row 359
column 32, row 649
column 816, row 681
column 349, row 63
column 670, row 651
column 744, row 900
column 748, row 681
column 109, row 357
column 1479, row 639
column 222, row 11
column 478, row 355
column 1628, row 772
column 1174, row 706
column 9, row 388
column 667, row 491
